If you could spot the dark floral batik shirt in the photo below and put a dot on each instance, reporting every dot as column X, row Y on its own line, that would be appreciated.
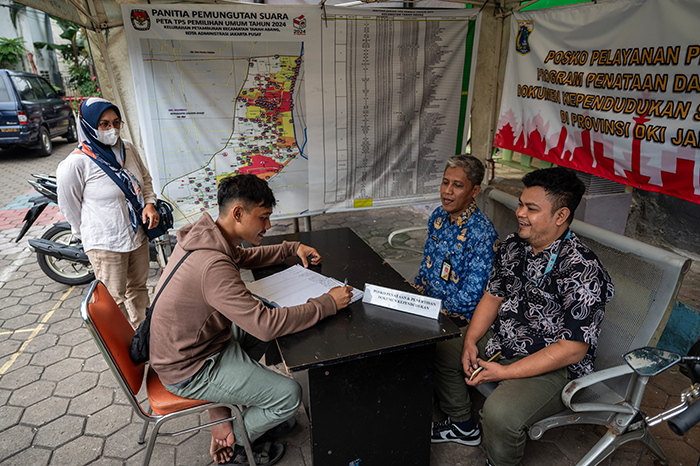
column 538, row 309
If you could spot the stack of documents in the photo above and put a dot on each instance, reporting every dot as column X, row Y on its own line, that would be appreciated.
column 295, row 286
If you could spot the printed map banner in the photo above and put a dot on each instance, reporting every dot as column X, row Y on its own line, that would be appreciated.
column 609, row 89
column 356, row 109
column 222, row 90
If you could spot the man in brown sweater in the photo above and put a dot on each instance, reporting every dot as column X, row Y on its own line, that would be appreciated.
column 208, row 331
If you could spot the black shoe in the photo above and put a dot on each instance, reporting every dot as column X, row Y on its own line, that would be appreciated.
column 265, row 453
column 282, row 429
column 447, row 431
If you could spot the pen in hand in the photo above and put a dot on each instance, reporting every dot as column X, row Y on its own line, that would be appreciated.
column 346, row 283
column 481, row 368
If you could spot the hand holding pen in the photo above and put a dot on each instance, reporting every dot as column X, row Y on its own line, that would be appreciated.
column 342, row 295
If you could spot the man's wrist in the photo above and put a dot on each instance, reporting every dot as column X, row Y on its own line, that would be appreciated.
column 470, row 339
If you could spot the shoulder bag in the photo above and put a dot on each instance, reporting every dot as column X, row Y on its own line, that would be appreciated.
column 140, row 343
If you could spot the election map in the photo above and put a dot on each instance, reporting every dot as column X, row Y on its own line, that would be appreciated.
column 226, row 108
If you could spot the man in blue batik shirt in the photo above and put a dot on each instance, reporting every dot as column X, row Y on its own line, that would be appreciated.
column 461, row 242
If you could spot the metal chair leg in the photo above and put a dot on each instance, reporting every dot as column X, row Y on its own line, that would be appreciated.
column 144, row 429
column 610, row 442
column 600, row 451
column 654, row 447
column 151, row 442
column 238, row 412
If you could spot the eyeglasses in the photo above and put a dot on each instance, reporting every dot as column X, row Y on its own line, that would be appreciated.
column 105, row 125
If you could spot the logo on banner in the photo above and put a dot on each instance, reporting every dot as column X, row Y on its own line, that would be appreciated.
column 299, row 26
column 140, row 20
column 525, row 27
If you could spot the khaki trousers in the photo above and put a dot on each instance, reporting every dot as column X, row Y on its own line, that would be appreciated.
column 124, row 274
column 509, row 411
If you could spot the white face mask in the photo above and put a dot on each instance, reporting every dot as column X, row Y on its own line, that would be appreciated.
column 109, row 137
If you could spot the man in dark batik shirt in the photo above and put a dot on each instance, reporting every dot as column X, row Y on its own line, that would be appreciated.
column 542, row 309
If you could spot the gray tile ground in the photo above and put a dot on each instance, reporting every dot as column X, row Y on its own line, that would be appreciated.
column 60, row 405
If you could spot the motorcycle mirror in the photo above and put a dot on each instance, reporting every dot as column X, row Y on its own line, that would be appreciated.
column 650, row 361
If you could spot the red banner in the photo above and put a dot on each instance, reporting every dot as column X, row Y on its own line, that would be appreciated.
column 611, row 89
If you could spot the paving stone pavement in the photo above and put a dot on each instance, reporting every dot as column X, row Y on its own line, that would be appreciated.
column 60, row 405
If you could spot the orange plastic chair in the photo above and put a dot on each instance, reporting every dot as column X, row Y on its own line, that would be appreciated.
column 112, row 334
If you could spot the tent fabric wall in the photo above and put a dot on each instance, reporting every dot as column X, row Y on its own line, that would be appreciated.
column 117, row 86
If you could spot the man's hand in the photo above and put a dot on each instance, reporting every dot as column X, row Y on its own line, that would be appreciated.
column 341, row 295
column 470, row 359
column 150, row 216
column 556, row 356
column 304, row 252
column 491, row 372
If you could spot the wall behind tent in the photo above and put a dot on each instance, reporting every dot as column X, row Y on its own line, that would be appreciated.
column 33, row 26
column 664, row 221
column 8, row 30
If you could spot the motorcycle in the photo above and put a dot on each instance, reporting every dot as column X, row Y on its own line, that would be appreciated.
column 648, row 362
column 59, row 253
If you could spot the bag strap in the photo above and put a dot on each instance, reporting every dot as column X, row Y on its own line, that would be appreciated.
column 135, row 204
column 165, row 283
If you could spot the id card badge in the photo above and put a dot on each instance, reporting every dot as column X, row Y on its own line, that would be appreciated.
column 445, row 270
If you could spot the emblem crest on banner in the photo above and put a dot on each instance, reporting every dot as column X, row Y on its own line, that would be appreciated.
column 525, row 27
column 299, row 26
column 140, row 20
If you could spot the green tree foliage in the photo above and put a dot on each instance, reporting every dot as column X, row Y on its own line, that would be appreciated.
column 11, row 52
column 77, row 54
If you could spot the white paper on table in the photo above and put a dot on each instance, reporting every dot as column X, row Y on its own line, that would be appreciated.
column 295, row 286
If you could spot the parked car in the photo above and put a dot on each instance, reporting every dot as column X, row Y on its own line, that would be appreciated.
column 32, row 112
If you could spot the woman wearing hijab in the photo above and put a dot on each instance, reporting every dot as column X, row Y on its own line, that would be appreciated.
column 109, row 225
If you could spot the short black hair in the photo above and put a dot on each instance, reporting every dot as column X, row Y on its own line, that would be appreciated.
column 563, row 187
column 249, row 189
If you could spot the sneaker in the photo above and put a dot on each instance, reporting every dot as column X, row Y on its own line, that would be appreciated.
column 446, row 431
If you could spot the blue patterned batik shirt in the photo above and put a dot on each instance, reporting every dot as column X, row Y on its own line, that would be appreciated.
column 469, row 244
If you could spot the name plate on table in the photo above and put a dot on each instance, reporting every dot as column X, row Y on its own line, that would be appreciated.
column 402, row 301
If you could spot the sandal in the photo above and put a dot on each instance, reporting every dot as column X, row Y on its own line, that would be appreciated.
column 266, row 453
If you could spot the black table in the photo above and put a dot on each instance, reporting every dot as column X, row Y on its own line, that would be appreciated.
column 366, row 372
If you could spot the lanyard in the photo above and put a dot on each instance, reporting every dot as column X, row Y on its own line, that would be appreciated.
column 552, row 260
